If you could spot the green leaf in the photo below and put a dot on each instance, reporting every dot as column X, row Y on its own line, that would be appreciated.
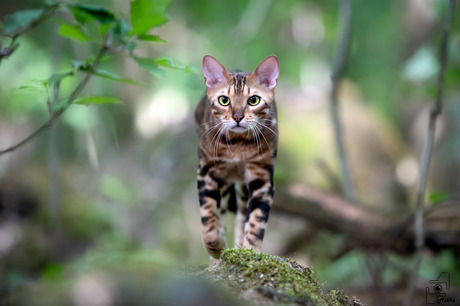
column 53, row 272
column 90, row 60
column 150, row 65
column 146, row 14
column 20, row 20
column 86, row 12
column 115, row 77
column 57, row 77
column 154, row 38
column 72, row 32
column 105, row 27
column 438, row 197
column 122, row 28
column 97, row 100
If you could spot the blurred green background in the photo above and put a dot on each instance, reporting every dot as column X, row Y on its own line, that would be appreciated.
column 115, row 184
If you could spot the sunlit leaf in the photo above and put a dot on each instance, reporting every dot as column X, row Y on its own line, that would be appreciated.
column 169, row 63
column 85, row 12
column 439, row 196
column 97, row 100
column 20, row 20
column 146, row 14
column 115, row 77
column 150, row 65
column 72, row 32
column 90, row 60
column 154, row 38
column 105, row 27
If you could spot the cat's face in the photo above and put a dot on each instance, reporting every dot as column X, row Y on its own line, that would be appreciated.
column 241, row 102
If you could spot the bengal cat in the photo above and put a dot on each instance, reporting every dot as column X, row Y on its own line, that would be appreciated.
column 237, row 123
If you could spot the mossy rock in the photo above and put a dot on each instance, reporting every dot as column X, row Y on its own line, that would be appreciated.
column 267, row 279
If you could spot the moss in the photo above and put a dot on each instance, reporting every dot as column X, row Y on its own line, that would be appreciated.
column 279, row 279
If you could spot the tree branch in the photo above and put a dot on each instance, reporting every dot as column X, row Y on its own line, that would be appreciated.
column 337, row 69
column 56, row 114
column 427, row 152
column 366, row 229
column 8, row 51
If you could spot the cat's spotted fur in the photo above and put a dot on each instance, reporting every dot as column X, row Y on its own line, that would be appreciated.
column 237, row 123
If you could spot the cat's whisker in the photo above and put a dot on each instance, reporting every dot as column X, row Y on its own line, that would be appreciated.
column 270, row 121
column 214, row 143
column 227, row 138
column 211, row 129
column 268, row 128
column 256, row 137
column 220, row 133
column 263, row 137
column 205, row 123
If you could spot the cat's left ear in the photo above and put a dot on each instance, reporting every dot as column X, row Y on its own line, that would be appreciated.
column 267, row 72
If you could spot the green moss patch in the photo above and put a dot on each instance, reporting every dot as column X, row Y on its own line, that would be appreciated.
column 275, row 278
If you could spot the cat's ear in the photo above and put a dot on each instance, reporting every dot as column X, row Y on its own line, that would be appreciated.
column 214, row 73
column 267, row 72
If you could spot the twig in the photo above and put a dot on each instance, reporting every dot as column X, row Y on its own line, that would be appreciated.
column 337, row 69
column 54, row 208
column 8, row 51
column 427, row 152
column 72, row 97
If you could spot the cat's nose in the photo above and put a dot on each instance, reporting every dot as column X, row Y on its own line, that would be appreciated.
column 238, row 117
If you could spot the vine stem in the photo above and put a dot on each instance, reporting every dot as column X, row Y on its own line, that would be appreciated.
column 426, row 156
column 56, row 114
column 337, row 70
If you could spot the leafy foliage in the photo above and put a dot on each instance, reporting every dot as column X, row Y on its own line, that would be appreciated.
column 147, row 14
column 103, row 27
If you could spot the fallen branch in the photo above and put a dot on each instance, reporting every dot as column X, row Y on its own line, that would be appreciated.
column 368, row 229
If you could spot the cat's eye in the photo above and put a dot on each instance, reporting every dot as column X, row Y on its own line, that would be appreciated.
column 223, row 100
column 254, row 100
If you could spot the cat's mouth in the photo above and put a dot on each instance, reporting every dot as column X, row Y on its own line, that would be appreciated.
column 238, row 129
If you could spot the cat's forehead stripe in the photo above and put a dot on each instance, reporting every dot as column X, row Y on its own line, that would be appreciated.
column 239, row 82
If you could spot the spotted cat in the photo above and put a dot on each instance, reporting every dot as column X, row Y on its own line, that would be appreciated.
column 237, row 124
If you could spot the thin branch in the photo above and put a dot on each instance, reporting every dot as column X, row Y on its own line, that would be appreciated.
column 72, row 97
column 8, row 51
column 337, row 69
column 427, row 152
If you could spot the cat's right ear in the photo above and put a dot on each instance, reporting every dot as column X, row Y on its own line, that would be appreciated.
column 214, row 73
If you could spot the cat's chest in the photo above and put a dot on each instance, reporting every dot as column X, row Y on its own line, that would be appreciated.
column 234, row 168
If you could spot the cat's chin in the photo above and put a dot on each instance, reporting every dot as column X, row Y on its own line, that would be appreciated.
column 239, row 129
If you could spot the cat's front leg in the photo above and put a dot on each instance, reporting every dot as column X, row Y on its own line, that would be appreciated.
column 210, row 198
column 259, row 179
